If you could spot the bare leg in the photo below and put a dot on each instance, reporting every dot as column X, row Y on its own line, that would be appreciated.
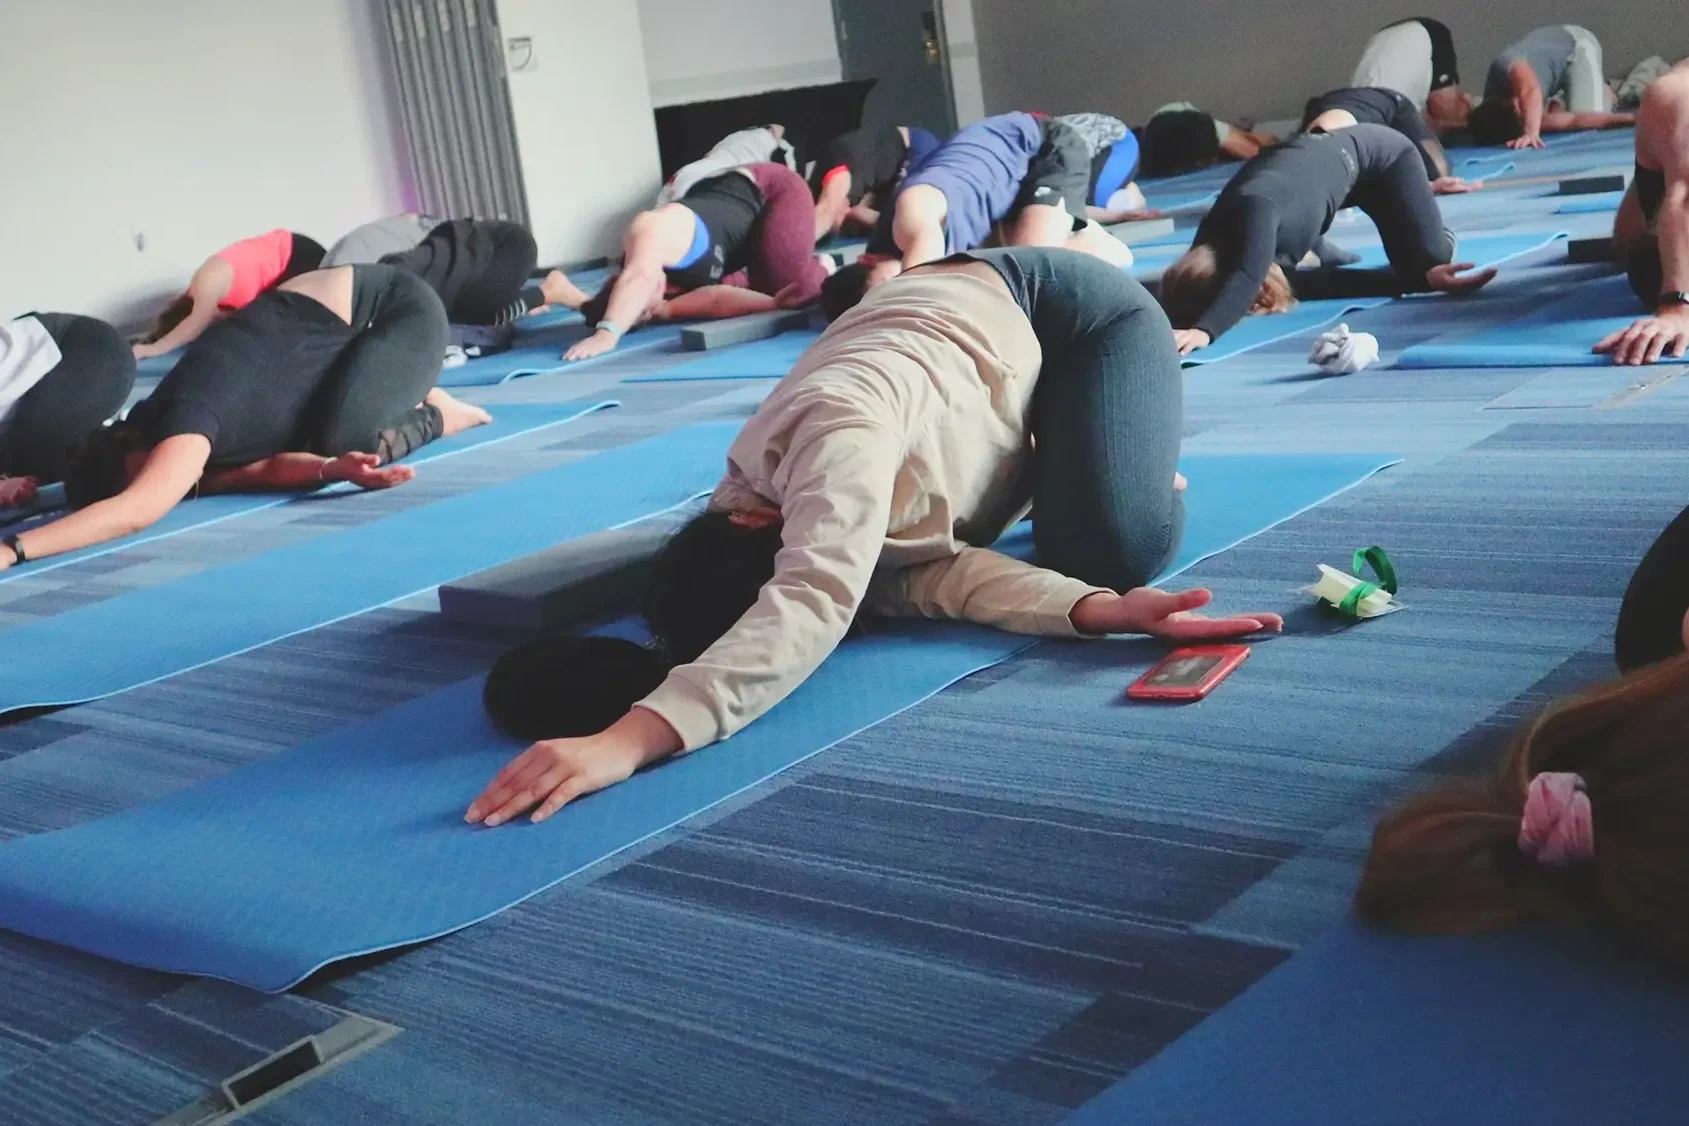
column 1039, row 224
column 1098, row 243
column 456, row 416
column 559, row 290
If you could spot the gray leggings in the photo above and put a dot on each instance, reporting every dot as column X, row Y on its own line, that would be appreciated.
column 1107, row 417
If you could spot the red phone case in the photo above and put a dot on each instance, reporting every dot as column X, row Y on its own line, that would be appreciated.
column 1229, row 657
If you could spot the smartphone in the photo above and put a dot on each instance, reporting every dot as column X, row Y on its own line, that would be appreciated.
column 1188, row 674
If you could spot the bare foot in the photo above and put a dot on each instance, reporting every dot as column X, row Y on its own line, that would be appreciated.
column 559, row 290
column 456, row 414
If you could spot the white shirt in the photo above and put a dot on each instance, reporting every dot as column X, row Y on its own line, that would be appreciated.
column 27, row 353
column 1398, row 58
column 747, row 146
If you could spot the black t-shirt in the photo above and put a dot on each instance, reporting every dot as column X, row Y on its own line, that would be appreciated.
column 874, row 158
column 248, row 382
column 1372, row 105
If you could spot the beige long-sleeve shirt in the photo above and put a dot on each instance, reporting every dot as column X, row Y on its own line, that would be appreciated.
column 896, row 450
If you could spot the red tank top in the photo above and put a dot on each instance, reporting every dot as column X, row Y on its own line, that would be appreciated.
column 258, row 263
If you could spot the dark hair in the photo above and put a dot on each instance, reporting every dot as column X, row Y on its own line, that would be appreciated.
column 563, row 687
column 844, row 290
column 1449, row 862
column 174, row 314
column 704, row 579
column 1494, row 121
column 1178, row 141
column 1645, row 270
column 1650, row 626
column 99, row 464
column 1189, row 286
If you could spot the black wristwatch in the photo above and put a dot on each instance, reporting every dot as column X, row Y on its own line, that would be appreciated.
column 1673, row 297
column 19, row 555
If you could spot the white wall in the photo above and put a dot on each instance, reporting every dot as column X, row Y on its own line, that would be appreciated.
column 698, row 50
column 962, row 45
column 188, row 124
column 1128, row 57
column 583, row 123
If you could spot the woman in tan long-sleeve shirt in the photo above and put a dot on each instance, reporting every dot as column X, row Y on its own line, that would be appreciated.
column 874, row 477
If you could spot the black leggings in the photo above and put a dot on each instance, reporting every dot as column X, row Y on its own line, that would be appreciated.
column 369, row 402
column 1107, row 417
column 480, row 269
column 1393, row 191
column 90, row 384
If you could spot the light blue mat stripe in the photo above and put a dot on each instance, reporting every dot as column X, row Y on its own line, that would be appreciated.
column 355, row 842
column 206, row 617
column 1484, row 168
column 1367, row 1029
column 760, row 359
column 1587, row 204
column 510, row 420
column 1560, row 334
column 541, row 353
column 1254, row 332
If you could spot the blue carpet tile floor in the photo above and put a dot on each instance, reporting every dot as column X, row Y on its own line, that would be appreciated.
column 984, row 910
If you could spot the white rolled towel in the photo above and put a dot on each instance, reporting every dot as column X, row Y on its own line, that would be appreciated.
column 1341, row 352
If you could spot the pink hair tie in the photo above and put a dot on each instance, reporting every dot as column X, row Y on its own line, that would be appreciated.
column 1557, row 827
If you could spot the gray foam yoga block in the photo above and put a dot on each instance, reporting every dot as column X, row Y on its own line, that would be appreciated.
column 1590, row 249
column 584, row 578
column 1593, row 185
column 1141, row 230
column 741, row 330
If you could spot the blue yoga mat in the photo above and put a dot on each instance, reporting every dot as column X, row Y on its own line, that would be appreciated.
column 1588, row 204
column 760, row 359
column 157, row 365
column 541, row 353
column 70, row 658
column 1559, row 334
column 355, row 842
column 510, row 420
column 1483, row 167
column 1180, row 201
column 1254, row 332
column 1367, row 1029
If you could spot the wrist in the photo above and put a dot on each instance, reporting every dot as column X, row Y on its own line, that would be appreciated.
column 1093, row 614
column 647, row 735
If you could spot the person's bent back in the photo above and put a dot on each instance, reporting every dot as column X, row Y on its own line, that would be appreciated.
column 329, row 377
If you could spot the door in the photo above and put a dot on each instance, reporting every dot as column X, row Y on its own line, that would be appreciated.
column 899, row 44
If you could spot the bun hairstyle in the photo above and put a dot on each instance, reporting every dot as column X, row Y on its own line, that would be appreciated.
column 1586, row 823
column 704, row 579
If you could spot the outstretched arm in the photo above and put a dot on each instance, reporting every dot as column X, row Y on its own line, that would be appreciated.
column 1564, row 121
column 210, row 284
column 918, row 224
column 715, row 302
column 293, row 472
column 171, row 470
column 1527, row 93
